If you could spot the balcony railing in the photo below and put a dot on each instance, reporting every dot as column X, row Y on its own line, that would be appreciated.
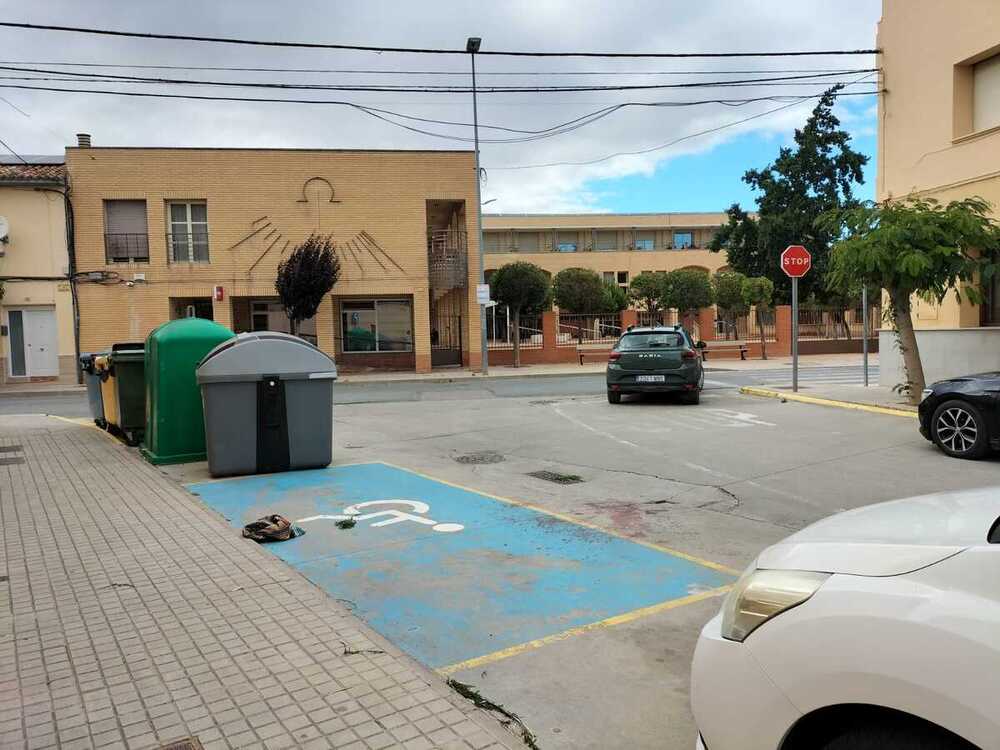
column 188, row 248
column 126, row 247
column 447, row 258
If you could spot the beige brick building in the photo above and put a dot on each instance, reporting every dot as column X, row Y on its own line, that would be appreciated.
column 618, row 246
column 167, row 232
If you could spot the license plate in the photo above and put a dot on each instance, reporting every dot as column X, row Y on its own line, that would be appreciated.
column 650, row 378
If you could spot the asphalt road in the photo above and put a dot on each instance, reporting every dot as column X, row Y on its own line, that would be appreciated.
column 75, row 405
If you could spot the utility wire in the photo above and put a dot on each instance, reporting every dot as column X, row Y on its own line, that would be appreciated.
column 2, row 143
column 772, row 80
column 422, row 50
column 463, row 73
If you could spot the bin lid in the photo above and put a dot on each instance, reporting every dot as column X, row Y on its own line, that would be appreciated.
column 252, row 356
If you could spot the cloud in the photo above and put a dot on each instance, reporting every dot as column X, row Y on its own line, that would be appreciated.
column 624, row 26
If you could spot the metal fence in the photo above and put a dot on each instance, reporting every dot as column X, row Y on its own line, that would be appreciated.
column 576, row 329
column 836, row 323
column 500, row 329
column 746, row 328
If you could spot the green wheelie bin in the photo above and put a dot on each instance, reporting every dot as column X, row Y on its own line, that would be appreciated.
column 123, row 381
column 175, row 424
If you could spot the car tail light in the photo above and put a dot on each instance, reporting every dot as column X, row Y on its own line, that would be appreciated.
column 690, row 354
column 614, row 356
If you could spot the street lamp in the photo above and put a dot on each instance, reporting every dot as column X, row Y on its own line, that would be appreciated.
column 472, row 47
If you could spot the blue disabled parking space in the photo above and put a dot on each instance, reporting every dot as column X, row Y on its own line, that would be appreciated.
column 449, row 574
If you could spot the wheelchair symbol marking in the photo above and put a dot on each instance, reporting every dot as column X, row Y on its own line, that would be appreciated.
column 389, row 517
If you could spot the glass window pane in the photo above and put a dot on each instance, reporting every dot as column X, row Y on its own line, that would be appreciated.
column 180, row 250
column 358, row 329
column 395, row 332
column 199, row 212
column 16, row 322
column 200, row 243
column 606, row 240
column 683, row 240
column 178, row 213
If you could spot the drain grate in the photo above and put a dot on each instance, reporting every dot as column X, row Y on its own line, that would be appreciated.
column 14, row 448
column 480, row 457
column 554, row 476
column 188, row 743
column 9, row 460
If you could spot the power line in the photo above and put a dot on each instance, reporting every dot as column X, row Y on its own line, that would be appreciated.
column 463, row 73
column 2, row 143
column 423, row 50
column 109, row 77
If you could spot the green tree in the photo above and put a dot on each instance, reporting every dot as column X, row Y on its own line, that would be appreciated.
column 614, row 299
column 305, row 277
column 728, row 289
column 688, row 290
column 578, row 290
column 524, row 288
column 647, row 291
column 814, row 177
column 758, row 292
column 914, row 247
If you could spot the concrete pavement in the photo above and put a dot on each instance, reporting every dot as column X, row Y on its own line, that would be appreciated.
column 131, row 617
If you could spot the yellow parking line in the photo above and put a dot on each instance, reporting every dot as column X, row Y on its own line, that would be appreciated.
column 768, row 393
column 635, row 614
column 570, row 519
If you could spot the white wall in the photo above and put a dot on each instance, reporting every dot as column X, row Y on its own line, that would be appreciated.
column 945, row 353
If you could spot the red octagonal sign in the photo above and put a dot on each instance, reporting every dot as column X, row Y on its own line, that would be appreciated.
column 796, row 261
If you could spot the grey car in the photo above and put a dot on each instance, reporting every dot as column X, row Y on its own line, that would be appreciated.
column 656, row 359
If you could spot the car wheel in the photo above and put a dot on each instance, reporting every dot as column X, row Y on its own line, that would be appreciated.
column 897, row 735
column 960, row 430
column 692, row 398
column 614, row 397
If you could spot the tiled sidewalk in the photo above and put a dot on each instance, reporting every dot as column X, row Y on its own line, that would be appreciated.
column 131, row 616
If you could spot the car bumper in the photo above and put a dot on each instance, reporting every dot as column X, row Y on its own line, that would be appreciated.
column 651, row 387
column 735, row 705
column 624, row 381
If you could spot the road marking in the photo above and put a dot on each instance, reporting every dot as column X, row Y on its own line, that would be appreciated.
column 767, row 393
column 621, row 619
column 570, row 519
column 390, row 517
column 580, row 423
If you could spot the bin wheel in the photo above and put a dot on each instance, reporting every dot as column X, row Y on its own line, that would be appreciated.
column 130, row 438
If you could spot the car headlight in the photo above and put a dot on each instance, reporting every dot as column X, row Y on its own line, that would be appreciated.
column 760, row 595
column 925, row 393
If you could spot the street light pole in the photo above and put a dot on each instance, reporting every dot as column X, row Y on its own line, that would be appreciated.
column 472, row 47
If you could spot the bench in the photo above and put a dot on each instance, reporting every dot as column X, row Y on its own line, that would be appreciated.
column 725, row 346
column 592, row 350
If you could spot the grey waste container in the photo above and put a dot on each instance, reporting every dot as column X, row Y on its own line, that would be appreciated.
column 268, row 403
column 92, row 380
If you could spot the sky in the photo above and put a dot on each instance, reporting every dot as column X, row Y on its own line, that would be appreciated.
column 699, row 173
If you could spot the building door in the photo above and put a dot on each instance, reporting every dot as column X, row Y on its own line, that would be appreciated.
column 33, row 343
column 446, row 340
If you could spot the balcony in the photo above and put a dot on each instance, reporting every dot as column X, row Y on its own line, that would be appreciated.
column 447, row 258
column 191, row 247
column 126, row 247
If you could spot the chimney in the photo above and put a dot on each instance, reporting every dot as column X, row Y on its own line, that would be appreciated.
column 83, row 140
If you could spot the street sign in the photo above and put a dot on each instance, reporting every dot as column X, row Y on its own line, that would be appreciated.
column 796, row 261
column 482, row 293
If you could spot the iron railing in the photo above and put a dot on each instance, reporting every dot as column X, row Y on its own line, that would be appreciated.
column 747, row 328
column 191, row 247
column 447, row 258
column 836, row 323
column 603, row 328
column 500, row 329
column 126, row 247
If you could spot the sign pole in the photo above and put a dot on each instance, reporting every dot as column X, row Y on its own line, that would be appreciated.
column 864, row 326
column 795, row 334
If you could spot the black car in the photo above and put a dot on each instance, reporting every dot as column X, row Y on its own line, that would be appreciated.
column 655, row 359
column 962, row 415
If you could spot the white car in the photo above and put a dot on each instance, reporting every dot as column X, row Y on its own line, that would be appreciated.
column 874, row 629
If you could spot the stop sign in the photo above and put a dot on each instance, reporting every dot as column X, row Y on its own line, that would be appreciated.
column 796, row 261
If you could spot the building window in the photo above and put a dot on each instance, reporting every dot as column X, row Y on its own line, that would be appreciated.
column 623, row 278
column 645, row 240
column 527, row 242
column 683, row 240
column 986, row 93
column 126, row 235
column 609, row 277
column 188, row 236
column 566, row 242
column 377, row 326
column 605, row 241
column 491, row 242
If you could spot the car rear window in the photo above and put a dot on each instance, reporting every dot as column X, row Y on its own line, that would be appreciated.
column 665, row 340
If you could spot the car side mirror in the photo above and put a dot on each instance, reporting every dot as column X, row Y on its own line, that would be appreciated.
column 701, row 345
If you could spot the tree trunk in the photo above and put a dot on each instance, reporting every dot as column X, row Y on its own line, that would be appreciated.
column 760, row 327
column 844, row 325
column 517, row 337
column 908, row 344
column 293, row 326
